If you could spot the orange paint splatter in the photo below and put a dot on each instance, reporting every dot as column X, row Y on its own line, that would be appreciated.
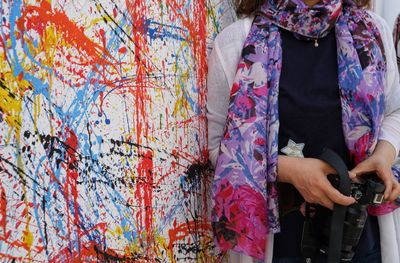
column 39, row 17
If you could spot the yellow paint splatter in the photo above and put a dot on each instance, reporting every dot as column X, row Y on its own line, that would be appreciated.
column 11, row 90
column 28, row 238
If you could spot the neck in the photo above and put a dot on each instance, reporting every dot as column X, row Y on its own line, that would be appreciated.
column 311, row 2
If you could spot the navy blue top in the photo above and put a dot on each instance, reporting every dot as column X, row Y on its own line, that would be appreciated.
column 310, row 113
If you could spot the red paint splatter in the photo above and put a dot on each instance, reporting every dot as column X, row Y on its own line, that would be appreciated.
column 90, row 251
column 3, row 214
column 144, row 196
column 144, row 189
column 70, row 187
column 196, row 25
column 122, row 50
column 5, row 235
column 182, row 231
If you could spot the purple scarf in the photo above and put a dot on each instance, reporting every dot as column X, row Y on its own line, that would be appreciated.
column 244, row 190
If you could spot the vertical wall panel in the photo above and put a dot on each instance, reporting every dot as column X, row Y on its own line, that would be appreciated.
column 388, row 9
column 102, row 130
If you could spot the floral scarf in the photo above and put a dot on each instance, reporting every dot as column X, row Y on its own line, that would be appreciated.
column 244, row 190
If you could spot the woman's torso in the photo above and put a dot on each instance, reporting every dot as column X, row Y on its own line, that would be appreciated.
column 310, row 114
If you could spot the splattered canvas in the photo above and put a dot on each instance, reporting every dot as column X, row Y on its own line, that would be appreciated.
column 102, row 130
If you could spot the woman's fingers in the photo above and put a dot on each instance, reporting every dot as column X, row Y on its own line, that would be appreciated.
column 386, row 175
column 326, row 195
column 364, row 167
column 384, row 172
column 336, row 197
column 318, row 197
column 326, row 202
column 395, row 192
column 353, row 177
column 387, row 178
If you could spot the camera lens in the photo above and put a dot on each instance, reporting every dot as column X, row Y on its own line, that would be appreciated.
column 356, row 217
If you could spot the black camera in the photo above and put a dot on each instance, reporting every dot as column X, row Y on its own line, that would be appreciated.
column 368, row 192
column 337, row 232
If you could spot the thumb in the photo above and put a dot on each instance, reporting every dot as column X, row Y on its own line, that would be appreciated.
column 361, row 168
column 354, row 177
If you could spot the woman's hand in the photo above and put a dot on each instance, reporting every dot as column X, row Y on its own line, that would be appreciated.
column 309, row 176
column 380, row 162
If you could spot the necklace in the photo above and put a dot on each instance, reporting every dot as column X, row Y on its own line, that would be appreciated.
column 307, row 38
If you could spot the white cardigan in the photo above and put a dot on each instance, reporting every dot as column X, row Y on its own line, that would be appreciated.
column 222, row 65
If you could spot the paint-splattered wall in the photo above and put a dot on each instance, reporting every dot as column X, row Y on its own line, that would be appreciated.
column 102, row 130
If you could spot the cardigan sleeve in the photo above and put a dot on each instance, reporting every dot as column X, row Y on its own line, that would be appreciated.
column 390, row 130
column 218, row 91
column 222, row 65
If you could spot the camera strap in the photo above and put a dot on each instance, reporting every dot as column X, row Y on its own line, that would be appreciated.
column 339, row 211
column 308, row 240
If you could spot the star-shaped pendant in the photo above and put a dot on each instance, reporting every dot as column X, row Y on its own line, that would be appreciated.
column 293, row 149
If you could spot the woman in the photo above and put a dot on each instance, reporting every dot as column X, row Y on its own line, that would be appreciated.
column 286, row 81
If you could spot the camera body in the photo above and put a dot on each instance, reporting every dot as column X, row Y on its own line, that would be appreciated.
column 368, row 192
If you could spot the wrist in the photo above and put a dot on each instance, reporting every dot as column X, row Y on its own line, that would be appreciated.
column 287, row 167
column 292, row 168
column 384, row 153
column 380, row 161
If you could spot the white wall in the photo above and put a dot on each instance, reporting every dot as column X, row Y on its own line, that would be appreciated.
column 388, row 9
